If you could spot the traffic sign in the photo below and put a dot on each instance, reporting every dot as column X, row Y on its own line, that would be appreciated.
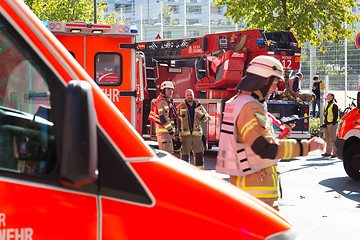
column 357, row 41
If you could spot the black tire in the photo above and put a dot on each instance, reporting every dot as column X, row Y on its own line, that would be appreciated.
column 352, row 161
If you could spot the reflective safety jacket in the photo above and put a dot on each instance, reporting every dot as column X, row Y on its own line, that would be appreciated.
column 329, row 109
column 184, row 126
column 247, row 141
column 163, row 113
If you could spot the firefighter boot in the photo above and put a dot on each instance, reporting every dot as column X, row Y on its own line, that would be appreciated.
column 199, row 160
column 185, row 157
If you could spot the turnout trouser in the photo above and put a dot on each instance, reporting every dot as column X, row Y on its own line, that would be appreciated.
column 165, row 142
column 192, row 144
column 263, row 185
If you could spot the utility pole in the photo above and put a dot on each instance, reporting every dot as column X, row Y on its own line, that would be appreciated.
column 95, row 17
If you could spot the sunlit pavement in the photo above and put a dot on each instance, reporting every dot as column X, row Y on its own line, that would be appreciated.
column 319, row 199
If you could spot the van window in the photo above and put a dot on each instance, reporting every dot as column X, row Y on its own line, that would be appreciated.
column 26, row 127
column 108, row 69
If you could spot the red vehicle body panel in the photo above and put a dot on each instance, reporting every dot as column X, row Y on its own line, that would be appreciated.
column 183, row 200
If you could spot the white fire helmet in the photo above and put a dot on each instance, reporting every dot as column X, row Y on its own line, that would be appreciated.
column 166, row 84
column 260, row 68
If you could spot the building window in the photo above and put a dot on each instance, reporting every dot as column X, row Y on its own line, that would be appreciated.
column 174, row 8
column 167, row 34
column 192, row 21
column 215, row 10
column 193, row 9
column 194, row 33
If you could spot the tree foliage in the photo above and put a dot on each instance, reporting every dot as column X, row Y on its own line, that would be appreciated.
column 310, row 20
column 70, row 10
column 168, row 12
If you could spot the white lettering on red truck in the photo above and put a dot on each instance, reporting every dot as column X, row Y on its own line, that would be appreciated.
column 14, row 233
column 113, row 94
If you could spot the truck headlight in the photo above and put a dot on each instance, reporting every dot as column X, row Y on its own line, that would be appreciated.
column 285, row 235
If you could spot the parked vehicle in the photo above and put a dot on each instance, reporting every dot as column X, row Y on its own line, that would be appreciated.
column 348, row 141
column 73, row 167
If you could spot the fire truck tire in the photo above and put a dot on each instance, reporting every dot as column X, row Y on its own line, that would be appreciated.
column 352, row 161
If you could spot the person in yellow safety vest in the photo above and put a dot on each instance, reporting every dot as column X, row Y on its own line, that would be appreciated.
column 248, row 148
column 163, row 113
column 332, row 118
column 191, row 115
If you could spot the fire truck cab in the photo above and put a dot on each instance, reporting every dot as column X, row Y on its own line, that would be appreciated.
column 73, row 167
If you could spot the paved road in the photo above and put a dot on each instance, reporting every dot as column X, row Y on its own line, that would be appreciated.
column 319, row 199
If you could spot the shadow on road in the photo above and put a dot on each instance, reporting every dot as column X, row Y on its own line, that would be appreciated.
column 344, row 186
column 312, row 163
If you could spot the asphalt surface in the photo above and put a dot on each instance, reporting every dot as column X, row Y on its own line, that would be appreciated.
column 319, row 199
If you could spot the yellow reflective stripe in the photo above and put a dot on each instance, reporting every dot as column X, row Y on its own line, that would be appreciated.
column 197, row 133
column 261, row 118
column 168, row 125
column 248, row 126
column 238, row 181
column 275, row 195
column 166, row 107
column 285, row 150
column 288, row 150
column 274, row 175
column 161, row 130
column 272, row 188
column 182, row 111
column 185, row 133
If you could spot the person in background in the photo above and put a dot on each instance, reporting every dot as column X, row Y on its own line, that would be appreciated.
column 294, row 90
column 316, row 91
column 163, row 114
column 191, row 115
column 248, row 148
column 332, row 118
column 294, row 84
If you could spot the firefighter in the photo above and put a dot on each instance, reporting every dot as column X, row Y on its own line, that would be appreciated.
column 191, row 115
column 163, row 113
column 248, row 150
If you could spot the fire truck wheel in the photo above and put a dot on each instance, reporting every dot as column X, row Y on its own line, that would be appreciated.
column 352, row 162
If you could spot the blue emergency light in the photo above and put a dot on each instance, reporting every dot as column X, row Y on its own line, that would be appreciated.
column 133, row 28
column 259, row 41
column 44, row 22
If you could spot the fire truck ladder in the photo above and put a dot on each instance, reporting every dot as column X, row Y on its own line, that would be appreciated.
column 165, row 49
column 160, row 50
column 150, row 76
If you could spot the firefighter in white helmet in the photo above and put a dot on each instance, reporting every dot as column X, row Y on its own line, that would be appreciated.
column 163, row 113
column 248, row 149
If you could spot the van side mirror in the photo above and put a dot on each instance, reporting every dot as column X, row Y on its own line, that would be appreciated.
column 79, row 140
column 358, row 100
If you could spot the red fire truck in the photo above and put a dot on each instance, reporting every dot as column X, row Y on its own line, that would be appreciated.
column 212, row 65
column 73, row 167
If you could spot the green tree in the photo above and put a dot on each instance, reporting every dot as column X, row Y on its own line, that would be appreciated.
column 312, row 20
column 168, row 12
column 69, row 10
